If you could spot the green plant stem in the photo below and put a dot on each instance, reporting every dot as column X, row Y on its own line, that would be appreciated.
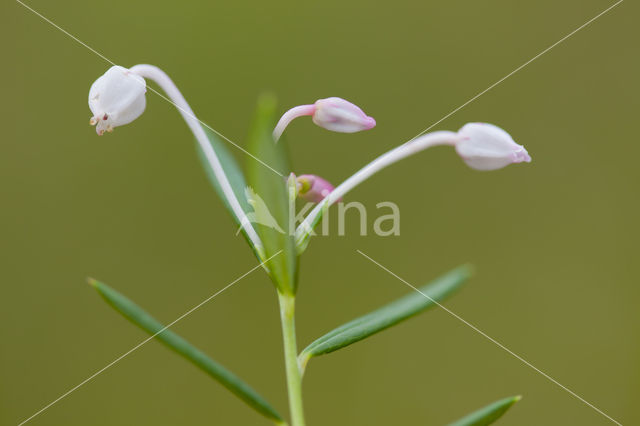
column 294, row 379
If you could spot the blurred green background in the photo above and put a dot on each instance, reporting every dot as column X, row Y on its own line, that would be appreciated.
column 554, row 242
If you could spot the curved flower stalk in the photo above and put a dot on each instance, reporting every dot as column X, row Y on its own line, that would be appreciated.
column 482, row 146
column 117, row 98
column 335, row 114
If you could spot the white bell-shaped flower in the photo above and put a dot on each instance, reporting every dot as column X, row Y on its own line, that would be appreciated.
column 116, row 98
column 484, row 146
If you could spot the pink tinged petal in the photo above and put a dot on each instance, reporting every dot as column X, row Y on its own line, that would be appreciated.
column 335, row 114
column 313, row 188
column 339, row 115
column 484, row 146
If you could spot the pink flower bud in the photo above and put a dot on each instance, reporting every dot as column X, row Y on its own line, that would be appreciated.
column 313, row 188
column 484, row 146
column 342, row 116
column 333, row 114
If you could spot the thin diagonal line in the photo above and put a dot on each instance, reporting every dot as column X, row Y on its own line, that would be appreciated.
column 145, row 341
column 151, row 89
column 517, row 69
column 491, row 339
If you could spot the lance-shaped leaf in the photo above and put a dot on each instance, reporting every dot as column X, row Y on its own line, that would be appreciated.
column 391, row 314
column 139, row 317
column 231, row 169
column 489, row 414
column 233, row 172
column 269, row 197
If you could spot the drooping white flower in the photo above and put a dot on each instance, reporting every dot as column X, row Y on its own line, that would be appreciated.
column 116, row 98
column 484, row 146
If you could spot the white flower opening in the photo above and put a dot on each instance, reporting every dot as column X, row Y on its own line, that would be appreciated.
column 116, row 98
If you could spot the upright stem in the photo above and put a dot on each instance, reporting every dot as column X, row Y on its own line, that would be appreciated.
column 162, row 79
column 294, row 378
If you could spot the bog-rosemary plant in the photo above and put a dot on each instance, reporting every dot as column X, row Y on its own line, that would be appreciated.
column 263, row 205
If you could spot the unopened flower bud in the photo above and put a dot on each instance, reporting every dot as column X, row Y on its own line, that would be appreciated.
column 116, row 98
column 333, row 114
column 484, row 146
column 338, row 115
column 313, row 188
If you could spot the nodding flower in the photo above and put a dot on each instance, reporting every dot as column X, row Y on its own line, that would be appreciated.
column 484, row 146
column 481, row 146
column 313, row 188
column 116, row 98
column 335, row 114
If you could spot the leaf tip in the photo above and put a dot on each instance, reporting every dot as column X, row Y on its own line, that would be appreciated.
column 468, row 269
column 267, row 99
column 92, row 282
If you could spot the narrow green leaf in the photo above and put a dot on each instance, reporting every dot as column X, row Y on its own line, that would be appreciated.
column 386, row 316
column 489, row 414
column 233, row 172
column 270, row 198
column 139, row 317
column 231, row 169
